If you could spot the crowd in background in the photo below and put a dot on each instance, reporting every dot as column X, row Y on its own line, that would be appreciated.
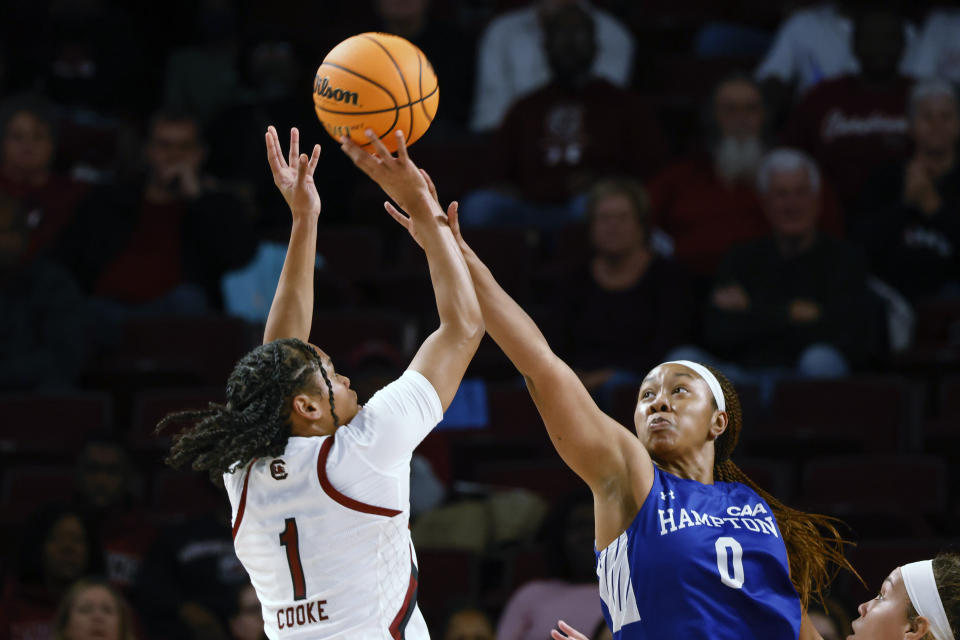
column 771, row 188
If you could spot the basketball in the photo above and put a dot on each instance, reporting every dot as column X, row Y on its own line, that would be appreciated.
column 376, row 81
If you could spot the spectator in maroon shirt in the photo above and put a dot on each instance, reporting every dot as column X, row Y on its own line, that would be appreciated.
column 708, row 202
column 555, row 142
column 854, row 124
column 105, row 490
column 41, row 200
column 160, row 242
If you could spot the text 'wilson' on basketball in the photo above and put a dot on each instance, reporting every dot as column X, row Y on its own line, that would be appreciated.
column 321, row 86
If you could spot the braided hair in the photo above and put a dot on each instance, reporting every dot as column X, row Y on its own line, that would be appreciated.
column 255, row 421
column 814, row 546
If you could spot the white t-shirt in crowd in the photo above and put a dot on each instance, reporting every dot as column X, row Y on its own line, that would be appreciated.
column 511, row 61
column 936, row 53
column 323, row 529
column 815, row 44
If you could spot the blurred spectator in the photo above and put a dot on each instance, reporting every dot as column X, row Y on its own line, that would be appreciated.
column 571, row 592
column 812, row 45
column 936, row 53
column 468, row 623
column 41, row 317
column 830, row 622
column 58, row 547
column 793, row 303
column 557, row 140
column 188, row 581
column 855, row 123
column 617, row 316
column 512, row 61
column 448, row 49
column 106, row 486
column 203, row 77
column 246, row 618
column 163, row 241
column 708, row 202
column 84, row 54
column 31, row 191
column 93, row 610
column 911, row 211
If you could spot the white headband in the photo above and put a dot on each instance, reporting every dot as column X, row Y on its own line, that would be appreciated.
column 710, row 379
column 922, row 589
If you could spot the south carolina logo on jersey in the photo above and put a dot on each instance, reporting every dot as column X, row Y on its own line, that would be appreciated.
column 278, row 469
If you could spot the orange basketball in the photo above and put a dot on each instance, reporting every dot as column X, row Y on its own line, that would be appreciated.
column 376, row 81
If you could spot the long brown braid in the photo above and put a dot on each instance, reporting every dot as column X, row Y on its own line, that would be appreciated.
column 814, row 546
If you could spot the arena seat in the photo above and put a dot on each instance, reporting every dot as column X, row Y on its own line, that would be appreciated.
column 875, row 559
column 445, row 575
column 866, row 413
column 339, row 332
column 51, row 423
column 152, row 405
column 551, row 479
column 199, row 349
column 908, row 484
column 29, row 487
column 177, row 494
column 941, row 432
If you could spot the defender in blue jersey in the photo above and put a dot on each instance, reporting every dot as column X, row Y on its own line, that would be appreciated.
column 688, row 546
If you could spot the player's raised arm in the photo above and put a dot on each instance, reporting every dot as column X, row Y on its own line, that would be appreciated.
column 291, row 313
column 593, row 445
column 445, row 354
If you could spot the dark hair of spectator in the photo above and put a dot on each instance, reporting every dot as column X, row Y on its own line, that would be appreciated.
column 37, row 530
column 62, row 617
column 255, row 421
column 946, row 573
column 627, row 187
column 814, row 546
column 34, row 104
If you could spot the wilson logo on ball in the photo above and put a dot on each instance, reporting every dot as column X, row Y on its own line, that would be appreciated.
column 321, row 87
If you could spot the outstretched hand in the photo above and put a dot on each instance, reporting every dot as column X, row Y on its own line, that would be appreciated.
column 294, row 175
column 397, row 175
column 568, row 630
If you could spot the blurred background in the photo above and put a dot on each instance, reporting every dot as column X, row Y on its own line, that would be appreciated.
column 771, row 187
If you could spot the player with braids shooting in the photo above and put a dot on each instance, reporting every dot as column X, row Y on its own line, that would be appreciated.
column 320, row 487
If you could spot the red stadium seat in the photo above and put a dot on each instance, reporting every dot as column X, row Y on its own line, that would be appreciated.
column 180, row 494
column 51, row 423
column 551, row 479
column 909, row 484
column 445, row 575
column 513, row 413
column 942, row 432
column 874, row 560
column 149, row 407
column 774, row 476
column 339, row 333
column 201, row 349
column 26, row 488
column 870, row 413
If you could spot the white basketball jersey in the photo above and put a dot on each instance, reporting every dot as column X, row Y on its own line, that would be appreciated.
column 323, row 529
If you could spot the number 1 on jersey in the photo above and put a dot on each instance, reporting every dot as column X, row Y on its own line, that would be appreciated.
column 290, row 540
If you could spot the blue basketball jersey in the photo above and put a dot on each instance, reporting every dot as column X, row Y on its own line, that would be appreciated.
column 699, row 561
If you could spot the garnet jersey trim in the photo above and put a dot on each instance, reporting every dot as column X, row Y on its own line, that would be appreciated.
column 243, row 500
column 399, row 625
column 349, row 503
